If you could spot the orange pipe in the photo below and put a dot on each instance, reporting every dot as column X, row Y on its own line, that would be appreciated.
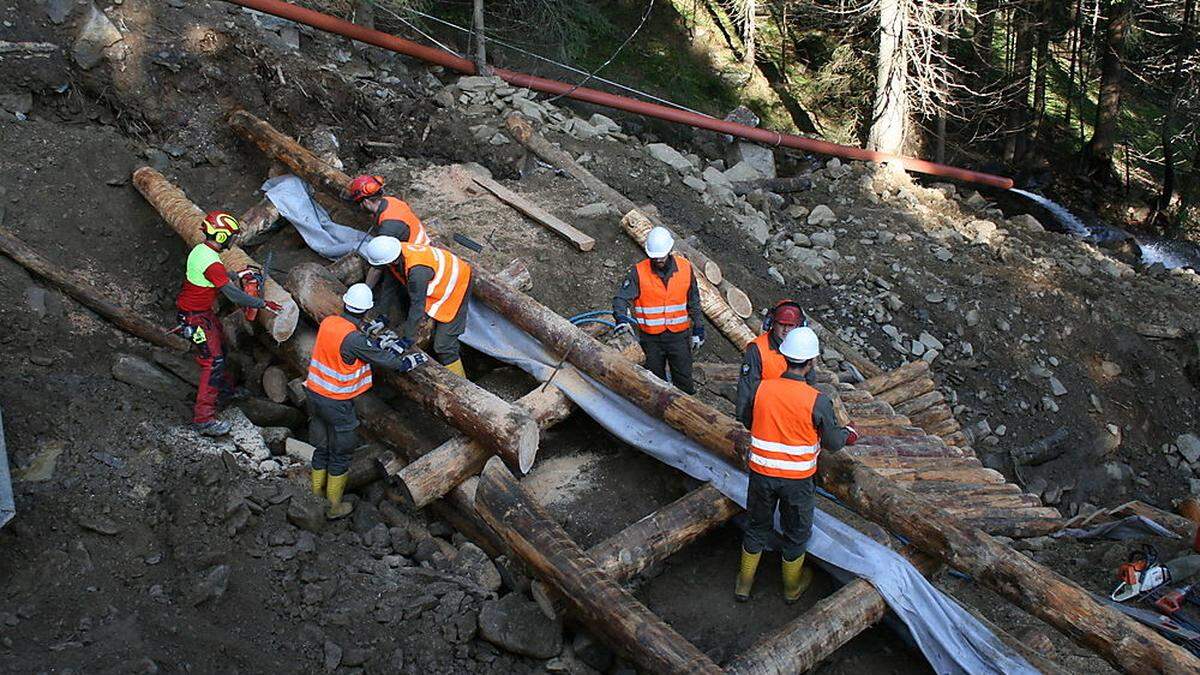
column 441, row 57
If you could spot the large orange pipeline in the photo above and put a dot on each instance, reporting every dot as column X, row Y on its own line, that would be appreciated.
column 441, row 57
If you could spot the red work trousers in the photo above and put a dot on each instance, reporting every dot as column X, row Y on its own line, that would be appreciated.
column 207, row 347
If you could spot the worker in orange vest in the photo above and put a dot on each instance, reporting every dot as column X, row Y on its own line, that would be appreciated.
column 762, row 360
column 434, row 279
column 338, row 371
column 660, row 299
column 198, row 322
column 391, row 217
column 790, row 422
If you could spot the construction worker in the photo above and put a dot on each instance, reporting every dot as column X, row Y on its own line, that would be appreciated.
column 661, row 300
column 762, row 360
column 790, row 422
column 434, row 279
column 198, row 321
column 392, row 217
column 340, row 370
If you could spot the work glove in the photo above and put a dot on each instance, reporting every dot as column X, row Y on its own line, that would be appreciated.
column 273, row 306
column 852, row 436
column 697, row 338
column 411, row 361
column 623, row 328
column 405, row 343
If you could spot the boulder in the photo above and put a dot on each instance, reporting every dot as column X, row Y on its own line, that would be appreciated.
column 604, row 124
column 266, row 413
column 1026, row 223
column 822, row 239
column 669, row 156
column 275, row 384
column 821, row 215
column 96, row 35
column 475, row 565
column 742, row 172
column 755, row 227
column 141, row 373
column 1189, row 447
column 517, row 625
column 595, row 210
column 761, row 158
column 307, row 512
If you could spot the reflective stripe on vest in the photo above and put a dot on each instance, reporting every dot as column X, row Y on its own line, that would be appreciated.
column 661, row 307
column 451, row 276
column 328, row 373
column 199, row 260
column 773, row 363
column 398, row 209
column 783, row 441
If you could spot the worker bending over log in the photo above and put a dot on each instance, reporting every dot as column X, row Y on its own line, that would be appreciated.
column 338, row 372
column 434, row 279
column 661, row 300
column 762, row 359
column 790, row 422
column 391, row 217
column 204, row 277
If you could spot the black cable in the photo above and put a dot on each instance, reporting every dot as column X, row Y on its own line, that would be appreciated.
column 645, row 15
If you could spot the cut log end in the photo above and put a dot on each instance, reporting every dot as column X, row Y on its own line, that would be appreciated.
column 739, row 302
column 285, row 322
column 527, row 445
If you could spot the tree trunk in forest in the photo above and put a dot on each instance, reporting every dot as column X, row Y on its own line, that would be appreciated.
column 749, row 8
column 985, row 33
column 1098, row 154
column 890, row 115
column 1042, row 72
column 1018, row 108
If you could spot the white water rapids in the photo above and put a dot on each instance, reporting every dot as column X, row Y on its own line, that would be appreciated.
column 1154, row 250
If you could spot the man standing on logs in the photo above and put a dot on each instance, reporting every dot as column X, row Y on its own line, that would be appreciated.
column 790, row 422
column 338, row 371
column 762, row 360
column 661, row 300
column 434, row 279
column 198, row 322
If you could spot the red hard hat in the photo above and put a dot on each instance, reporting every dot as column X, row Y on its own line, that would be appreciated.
column 220, row 226
column 365, row 187
column 787, row 313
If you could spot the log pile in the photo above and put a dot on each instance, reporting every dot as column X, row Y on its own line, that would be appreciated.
column 911, row 391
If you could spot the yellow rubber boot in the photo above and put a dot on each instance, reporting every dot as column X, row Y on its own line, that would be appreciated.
column 745, row 578
column 456, row 367
column 319, row 476
column 338, row 508
column 796, row 579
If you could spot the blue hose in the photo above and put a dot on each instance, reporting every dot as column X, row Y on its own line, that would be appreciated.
column 605, row 322
column 586, row 315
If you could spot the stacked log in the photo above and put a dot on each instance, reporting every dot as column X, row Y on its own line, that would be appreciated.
column 914, row 393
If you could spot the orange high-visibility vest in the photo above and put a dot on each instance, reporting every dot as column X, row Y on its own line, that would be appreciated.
column 328, row 373
column 773, row 363
column 398, row 209
column 783, row 441
column 451, row 276
column 661, row 307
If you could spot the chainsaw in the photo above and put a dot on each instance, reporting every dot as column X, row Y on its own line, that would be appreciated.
column 252, row 281
column 1142, row 574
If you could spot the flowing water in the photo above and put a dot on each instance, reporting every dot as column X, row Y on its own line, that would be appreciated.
column 1170, row 253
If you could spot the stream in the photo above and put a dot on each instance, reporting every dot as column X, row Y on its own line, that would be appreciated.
column 1170, row 253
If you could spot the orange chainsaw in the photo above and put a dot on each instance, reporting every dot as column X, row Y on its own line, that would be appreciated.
column 252, row 280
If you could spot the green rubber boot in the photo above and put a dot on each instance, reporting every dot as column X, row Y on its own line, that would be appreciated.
column 338, row 508
column 796, row 579
column 319, row 476
column 745, row 578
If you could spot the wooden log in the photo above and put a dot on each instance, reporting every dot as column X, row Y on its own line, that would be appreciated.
column 433, row 475
column 957, row 439
column 689, row 415
column 870, row 408
column 187, row 220
column 906, row 391
column 932, row 418
column 543, row 217
column 1174, row 522
column 887, row 427
column 257, row 221
column 71, row 284
column 1040, row 591
column 717, row 373
column 776, row 185
column 935, row 488
column 945, row 427
column 487, row 418
column 715, row 307
column 915, row 449
column 918, row 463
column 1042, row 450
column 606, row 608
column 978, row 510
column 1020, row 527
column 1008, row 500
column 965, row 475
column 920, row 404
column 284, row 149
column 905, row 373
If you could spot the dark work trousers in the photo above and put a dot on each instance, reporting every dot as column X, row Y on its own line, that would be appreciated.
column 331, row 431
column 444, row 344
column 670, row 349
column 208, row 348
column 794, row 497
column 391, row 298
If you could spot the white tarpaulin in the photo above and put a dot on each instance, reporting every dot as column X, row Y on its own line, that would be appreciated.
column 949, row 637
column 291, row 196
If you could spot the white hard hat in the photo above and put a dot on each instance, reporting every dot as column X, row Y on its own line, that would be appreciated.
column 359, row 298
column 382, row 250
column 801, row 344
column 659, row 242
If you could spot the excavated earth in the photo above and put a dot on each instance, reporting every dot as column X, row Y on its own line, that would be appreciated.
column 139, row 546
